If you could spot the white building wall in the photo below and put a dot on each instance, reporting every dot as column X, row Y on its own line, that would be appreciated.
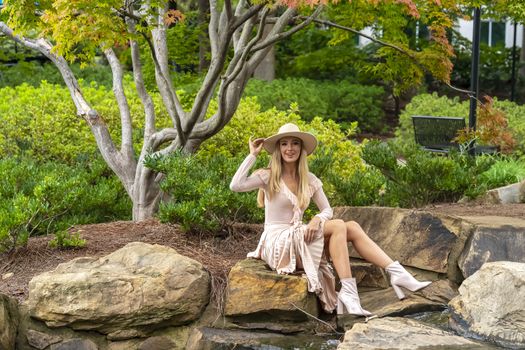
column 465, row 29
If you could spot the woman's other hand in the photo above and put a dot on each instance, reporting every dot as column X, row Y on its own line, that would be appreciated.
column 311, row 229
column 255, row 146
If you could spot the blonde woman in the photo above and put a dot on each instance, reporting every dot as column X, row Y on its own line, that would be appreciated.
column 288, row 245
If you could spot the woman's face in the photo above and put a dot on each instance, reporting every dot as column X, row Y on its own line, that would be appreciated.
column 290, row 149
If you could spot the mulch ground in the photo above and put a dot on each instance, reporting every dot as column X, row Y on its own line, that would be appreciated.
column 217, row 254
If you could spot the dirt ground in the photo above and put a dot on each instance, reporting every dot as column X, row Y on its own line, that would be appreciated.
column 217, row 254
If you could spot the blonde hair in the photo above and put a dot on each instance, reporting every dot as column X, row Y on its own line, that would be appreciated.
column 275, row 166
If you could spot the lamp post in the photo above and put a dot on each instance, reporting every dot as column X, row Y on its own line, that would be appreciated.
column 474, row 75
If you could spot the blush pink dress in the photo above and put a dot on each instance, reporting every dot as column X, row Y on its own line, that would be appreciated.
column 282, row 245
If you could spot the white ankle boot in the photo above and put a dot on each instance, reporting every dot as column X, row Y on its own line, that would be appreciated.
column 399, row 277
column 348, row 299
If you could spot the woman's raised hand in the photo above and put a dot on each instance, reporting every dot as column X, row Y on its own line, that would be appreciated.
column 255, row 146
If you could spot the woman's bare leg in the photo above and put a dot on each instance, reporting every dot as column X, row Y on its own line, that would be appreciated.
column 364, row 246
column 335, row 233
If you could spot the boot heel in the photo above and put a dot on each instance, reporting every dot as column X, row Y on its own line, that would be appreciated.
column 400, row 294
column 340, row 308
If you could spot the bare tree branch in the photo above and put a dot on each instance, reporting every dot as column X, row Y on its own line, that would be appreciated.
column 126, row 147
column 276, row 36
column 147, row 101
column 213, row 28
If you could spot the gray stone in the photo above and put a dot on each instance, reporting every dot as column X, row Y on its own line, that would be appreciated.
column 368, row 275
column 402, row 333
column 494, row 239
column 259, row 297
column 414, row 238
column 491, row 304
column 41, row 340
column 75, row 344
column 204, row 338
column 9, row 319
column 157, row 343
column 137, row 286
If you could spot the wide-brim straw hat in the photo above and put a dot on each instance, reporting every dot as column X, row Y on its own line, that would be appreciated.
column 291, row 130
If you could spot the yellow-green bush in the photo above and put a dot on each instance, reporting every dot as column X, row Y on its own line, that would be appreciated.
column 42, row 121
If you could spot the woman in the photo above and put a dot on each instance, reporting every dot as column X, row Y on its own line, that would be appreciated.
column 288, row 245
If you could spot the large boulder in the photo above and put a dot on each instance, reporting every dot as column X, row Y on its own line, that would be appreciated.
column 494, row 238
column 139, row 286
column 415, row 238
column 258, row 296
column 491, row 304
column 8, row 322
column 402, row 333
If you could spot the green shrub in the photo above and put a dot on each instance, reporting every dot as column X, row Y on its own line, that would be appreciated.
column 340, row 101
column 65, row 239
column 41, row 122
column 40, row 198
column 422, row 177
column 503, row 172
column 33, row 73
column 201, row 198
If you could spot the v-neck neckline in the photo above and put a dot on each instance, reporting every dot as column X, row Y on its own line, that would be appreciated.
column 288, row 188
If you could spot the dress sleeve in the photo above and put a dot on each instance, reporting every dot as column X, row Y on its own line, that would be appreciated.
column 241, row 182
column 319, row 198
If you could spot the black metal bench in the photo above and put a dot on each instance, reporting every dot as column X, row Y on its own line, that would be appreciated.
column 437, row 134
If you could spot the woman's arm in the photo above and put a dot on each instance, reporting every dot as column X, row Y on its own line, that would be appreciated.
column 322, row 203
column 326, row 213
column 241, row 182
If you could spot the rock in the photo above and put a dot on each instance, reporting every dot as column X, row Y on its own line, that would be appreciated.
column 491, row 304
column 384, row 303
column 138, row 286
column 125, row 334
column 258, row 294
column 157, row 343
column 204, row 338
column 513, row 193
column 402, row 333
column 9, row 320
column 494, row 239
column 75, row 344
column 414, row 238
column 30, row 330
column 368, row 275
column 41, row 340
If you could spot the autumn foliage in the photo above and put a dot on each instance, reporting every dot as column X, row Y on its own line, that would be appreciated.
column 492, row 128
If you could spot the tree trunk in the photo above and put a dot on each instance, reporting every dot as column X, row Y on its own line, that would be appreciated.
column 522, row 55
column 204, row 46
column 146, row 193
column 266, row 69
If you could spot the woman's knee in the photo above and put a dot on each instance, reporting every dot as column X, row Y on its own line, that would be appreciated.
column 332, row 227
column 353, row 228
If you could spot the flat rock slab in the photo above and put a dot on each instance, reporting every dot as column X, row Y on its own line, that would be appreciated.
column 222, row 339
column 415, row 238
column 491, row 304
column 256, row 293
column 402, row 333
column 494, row 238
column 383, row 303
column 137, row 286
